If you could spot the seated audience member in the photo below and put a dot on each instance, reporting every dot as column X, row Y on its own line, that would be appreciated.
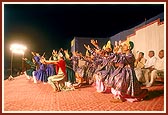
column 149, row 66
column 151, row 61
column 140, row 61
column 157, row 69
column 139, row 64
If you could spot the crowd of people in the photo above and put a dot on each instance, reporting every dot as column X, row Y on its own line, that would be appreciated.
column 111, row 69
column 148, row 70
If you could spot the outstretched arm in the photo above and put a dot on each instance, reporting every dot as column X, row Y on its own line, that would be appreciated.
column 95, row 43
column 50, row 62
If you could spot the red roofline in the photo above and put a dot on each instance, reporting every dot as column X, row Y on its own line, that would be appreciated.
column 159, row 23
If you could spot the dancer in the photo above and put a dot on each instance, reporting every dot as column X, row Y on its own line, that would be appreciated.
column 125, row 86
column 29, row 72
column 58, row 81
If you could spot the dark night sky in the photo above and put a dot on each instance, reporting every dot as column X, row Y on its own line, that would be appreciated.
column 45, row 27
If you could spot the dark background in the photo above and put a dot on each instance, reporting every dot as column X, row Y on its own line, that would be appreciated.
column 44, row 27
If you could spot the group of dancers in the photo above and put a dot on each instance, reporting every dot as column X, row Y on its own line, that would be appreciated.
column 110, row 69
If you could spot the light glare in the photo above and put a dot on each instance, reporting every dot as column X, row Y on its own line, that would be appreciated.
column 17, row 48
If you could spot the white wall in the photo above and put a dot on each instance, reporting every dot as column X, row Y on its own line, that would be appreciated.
column 150, row 37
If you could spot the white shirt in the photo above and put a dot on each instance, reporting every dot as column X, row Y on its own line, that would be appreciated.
column 159, row 65
column 150, row 62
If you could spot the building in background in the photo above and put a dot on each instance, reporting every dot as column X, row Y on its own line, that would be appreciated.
column 149, row 35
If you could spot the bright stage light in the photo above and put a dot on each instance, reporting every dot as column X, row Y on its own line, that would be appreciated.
column 17, row 48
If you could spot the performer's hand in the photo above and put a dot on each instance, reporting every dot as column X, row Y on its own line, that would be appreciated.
column 61, row 49
column 24, row 59
column 92, row 41
column 87, row 47
column 50, row 58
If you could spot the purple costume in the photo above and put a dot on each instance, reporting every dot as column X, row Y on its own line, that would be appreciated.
column 124, row 82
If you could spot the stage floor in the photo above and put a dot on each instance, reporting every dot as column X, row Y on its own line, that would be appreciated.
column 22, row 95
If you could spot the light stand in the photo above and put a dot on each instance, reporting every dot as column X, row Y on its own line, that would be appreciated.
column 19, row 49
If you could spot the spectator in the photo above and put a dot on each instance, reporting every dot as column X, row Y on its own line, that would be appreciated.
column 157, row 69
column 139, row 64
column 149, row 66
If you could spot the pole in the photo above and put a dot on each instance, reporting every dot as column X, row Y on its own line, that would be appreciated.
column 11, row 62
column 22, row 64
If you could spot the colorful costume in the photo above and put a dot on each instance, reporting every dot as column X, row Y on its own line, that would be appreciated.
column 123, row 81
column 29, row 72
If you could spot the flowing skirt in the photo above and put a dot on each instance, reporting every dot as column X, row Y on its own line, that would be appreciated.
column 50, row 70
column 41, row 75
column 70, row 75
column 125, row 85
